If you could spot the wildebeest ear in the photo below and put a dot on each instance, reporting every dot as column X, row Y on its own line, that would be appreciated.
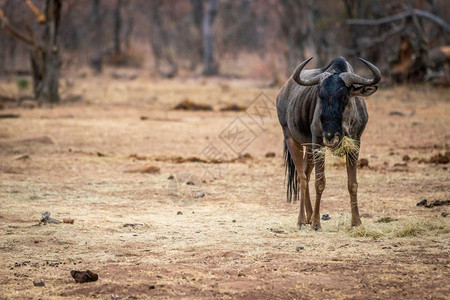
column 364, row 91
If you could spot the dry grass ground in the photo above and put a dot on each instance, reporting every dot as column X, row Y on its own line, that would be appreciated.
column 148, row 236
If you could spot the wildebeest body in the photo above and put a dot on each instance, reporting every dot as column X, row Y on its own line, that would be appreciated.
column 321, row 107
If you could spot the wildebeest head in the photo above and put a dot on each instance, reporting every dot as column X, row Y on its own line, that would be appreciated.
column 336, row 86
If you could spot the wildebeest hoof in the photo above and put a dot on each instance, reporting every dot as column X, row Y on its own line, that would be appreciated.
column 316, row 226
column 300, row 225
column 356, row 223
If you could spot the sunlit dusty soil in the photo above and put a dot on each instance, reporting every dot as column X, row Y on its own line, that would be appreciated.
column 146, row 235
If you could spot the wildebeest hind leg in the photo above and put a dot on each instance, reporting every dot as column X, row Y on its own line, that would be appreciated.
column 296, row 152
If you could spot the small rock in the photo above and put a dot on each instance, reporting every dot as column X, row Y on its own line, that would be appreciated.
column 179, row 213
column 143, row 118
column 444, row 214
column 190, row 183
column 234, row 221
column 406, row 157
column 38, row 283
column 200, row 194
column 326, row 217
column 152, row 287
column 241, row 274
column 298, row 248
column 270, row 154
column 170, row 177
column 68, row 221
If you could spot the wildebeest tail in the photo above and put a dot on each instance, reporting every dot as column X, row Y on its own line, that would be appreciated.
column 291, row 174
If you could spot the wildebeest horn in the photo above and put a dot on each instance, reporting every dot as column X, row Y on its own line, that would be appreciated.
column 352, row 78
column 310, row 81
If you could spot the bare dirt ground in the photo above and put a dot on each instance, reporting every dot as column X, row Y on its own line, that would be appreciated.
column 148, row 236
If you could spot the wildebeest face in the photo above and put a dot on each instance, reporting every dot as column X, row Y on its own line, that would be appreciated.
column 334, row 96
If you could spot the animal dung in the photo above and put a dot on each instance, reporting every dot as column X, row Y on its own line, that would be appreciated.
column 189, row 105
column 83, row 276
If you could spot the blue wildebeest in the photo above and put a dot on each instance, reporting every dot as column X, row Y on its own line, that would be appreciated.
column 318, row 108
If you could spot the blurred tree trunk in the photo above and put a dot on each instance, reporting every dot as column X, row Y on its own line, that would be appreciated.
column 129, row 25
column 197, row 13
column 117, row 28
column 96, row 41
column 160, row 44
column 210, row 66
column 45, row 60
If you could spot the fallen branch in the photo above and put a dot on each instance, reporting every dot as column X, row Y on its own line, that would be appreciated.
column 412, row 12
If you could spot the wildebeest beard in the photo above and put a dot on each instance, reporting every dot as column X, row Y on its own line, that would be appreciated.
column 334, row 97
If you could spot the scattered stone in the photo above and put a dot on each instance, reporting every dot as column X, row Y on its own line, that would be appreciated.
column 179, row 213
column 200, row 194
column 440, row 158
column 406, row 158
column 189, row 105
column 233, row 107
column 99, row 154
column 23, row 157
column 363, row 162
column 298, row 248
column 234, row 221
column 190, row 183
column 280, row 231
column 9, row 116
column 247, row 155
column 45, row 218
column 270, row 154
column 147, row 168
column 152, row 287
column 434, row 203
column 397, row 113
column 38, row 283
column 143, row 118
column 83, row 276
column 326, row 217
column 68, row 221
column 400, row 165
column 170, row 177
column 134, row 225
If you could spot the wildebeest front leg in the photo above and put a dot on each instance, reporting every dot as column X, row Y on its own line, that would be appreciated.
column 319, row 164
column 308, row 165
column 296, row 152
column 351, row 163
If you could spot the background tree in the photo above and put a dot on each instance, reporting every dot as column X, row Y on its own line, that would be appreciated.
column 44, row 52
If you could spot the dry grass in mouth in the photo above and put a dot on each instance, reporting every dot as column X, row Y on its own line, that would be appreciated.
column 347, row 147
